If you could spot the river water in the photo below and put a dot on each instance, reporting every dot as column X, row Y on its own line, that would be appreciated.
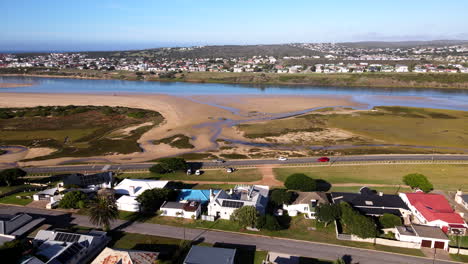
column 455, row 99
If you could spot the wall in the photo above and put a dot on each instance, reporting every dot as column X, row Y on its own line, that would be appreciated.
column 453, row 250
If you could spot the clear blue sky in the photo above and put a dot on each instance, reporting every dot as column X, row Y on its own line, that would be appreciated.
column 125, row 24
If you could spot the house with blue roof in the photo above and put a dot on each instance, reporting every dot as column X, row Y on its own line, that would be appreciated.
column 202, row 196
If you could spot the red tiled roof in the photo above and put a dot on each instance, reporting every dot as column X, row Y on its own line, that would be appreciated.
column 434, row 207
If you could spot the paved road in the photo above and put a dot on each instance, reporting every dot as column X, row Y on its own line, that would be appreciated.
column 234, row 163
column 292, row 247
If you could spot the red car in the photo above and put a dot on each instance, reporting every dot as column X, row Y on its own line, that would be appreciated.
column 323, row 159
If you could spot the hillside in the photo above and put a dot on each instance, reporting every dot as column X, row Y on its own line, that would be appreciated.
column 403, row 44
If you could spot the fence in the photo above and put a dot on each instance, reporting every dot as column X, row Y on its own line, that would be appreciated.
column 454, row 250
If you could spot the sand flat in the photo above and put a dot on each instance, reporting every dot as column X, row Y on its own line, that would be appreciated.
column 14, row 85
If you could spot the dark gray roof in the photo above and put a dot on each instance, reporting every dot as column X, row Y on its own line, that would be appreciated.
column 88, row 179
column 210, row 255
column 173, row 205
column 430, row 232
column 465, row 197
column 385, row 203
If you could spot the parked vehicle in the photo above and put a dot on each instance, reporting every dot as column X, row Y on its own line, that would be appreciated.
column 189, row 172
column 219, row 161
column 198, row 172
column 282, row 159
column 230, row 170
column 323, row 159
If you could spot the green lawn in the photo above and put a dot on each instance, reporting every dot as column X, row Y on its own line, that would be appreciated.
column 463, row 241
column 459, row 258
column 444, row 177
column 11, row 199
column 241, row 175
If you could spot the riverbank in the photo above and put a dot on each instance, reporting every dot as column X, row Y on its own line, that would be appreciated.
column 369, row 80
column 14, row 85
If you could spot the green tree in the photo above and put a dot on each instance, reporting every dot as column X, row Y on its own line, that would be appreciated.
column 245, row 216
column 281, row 196
column 72, row 199
column 103, row 211
column 417, row 180
column 12, row 251
column 173, row 164
column 151, row 200
column 357, row 224
column 271, row 223
column 389, row 221
column 10, row 176
column 158, row 168
column 327, row 213
column 301, row 182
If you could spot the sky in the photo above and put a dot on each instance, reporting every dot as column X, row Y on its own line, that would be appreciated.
column 48, row 25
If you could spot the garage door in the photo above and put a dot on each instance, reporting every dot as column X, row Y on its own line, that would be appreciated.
column 439, row 244
column 426, row 243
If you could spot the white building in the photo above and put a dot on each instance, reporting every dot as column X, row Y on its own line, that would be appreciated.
column 462, row 199
column 306, row 203
column 401, row 68
column 425, row 236
column 223, row 204
column 130, row 189
column 189, row 210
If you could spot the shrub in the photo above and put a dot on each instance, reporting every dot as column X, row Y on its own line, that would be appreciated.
column 271, row 223
column 357, row 224
column 301, row 182
column 417, row 180
column 10, row 176
column 73, row 199
column 281, row 196
column 173, row 164
column 389, row 221
column 158, row 168
column 327, row 213
column 245, row 216
column 150, row 200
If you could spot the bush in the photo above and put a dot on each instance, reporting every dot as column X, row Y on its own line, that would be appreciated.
column 327, row 213
column 151, row 200
column 73, row 200
column 173, row 164
column 245, row 216
column 301, row 182
column 158, row 168
column 10, row 176
column 281, row 196
column 12, row 251
column 271, row 223
column 417, row 180
column 389, row 221
column 357, row 224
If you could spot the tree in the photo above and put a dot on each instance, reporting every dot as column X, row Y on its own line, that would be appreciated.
column 245, row 216
column 72, row 199
column 158, row 168
column 12, row 251
column 301, row 182
column 151, row 200
column 271, row 223
column 389, row 221
column 173, row 164
column 357, row 224
column 327, row 213
column 281, row 196
column 417, row 180
column 103, row 211
column 10, row 176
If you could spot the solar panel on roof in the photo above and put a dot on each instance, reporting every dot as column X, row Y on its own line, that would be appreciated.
column 68, row 253
column 232, row 204
column 66, row 237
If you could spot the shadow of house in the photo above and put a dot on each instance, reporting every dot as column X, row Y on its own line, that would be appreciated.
column 245, row 254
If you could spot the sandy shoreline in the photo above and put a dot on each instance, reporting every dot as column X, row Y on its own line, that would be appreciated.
column 181, row 115
column 14, row 85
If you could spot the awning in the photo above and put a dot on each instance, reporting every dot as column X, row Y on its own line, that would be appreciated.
column 457, row 226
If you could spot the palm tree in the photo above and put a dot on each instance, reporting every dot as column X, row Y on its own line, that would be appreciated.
column 103, row 212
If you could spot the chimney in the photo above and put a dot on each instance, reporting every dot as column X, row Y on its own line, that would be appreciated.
column 131, row 192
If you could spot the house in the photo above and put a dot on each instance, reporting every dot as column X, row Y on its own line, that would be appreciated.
column 223, row 204
column 56, row 247
column 461, row 199
column 426, row 236
column 209, row 255
column 434, row 210
column 129, row 189
column 189, row 210
column 122, row 256
column 92, row 181
column 401, row 68
column 306, row 203
column 15, row 226
column 372, row 203
column 202, row 196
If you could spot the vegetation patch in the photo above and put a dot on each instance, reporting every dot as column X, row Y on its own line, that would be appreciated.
column 77, row 131
column 179, row 141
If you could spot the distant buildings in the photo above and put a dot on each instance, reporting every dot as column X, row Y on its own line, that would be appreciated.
column 16, row 226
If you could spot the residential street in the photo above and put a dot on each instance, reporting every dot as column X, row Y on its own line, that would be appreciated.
column 299, row 248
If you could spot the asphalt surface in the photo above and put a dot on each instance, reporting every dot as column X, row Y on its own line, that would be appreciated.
column 292, row 247
column 234, row 163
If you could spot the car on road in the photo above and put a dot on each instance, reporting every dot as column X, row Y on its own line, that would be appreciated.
column 219, row 161
column 189, row 172
column 282, row 159
column 230, row 170
column 198, row 172
column 323, row 159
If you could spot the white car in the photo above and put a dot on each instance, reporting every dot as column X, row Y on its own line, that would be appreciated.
column 230, row 170
column 198, row 172
column 189, row 171
column 282, row 159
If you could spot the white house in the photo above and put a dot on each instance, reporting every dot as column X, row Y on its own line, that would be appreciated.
column 223, row 204
column 130, row 189
column 425, row 236
column 462, row 199
column 434, row 210
column 401, row 68
column 306, row 203
column 189, row 210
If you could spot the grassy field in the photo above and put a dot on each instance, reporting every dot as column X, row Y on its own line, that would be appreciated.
column 11, row 199
column 444, row 177
column 241, row 175
column 179, row 141
column 77, row 131
column 441, row 129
